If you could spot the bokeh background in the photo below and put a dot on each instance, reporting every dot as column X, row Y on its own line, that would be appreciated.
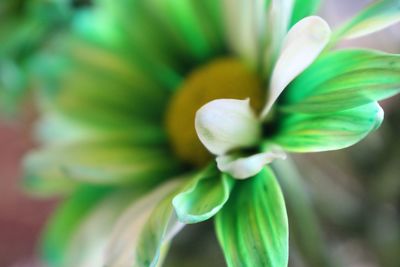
column 351, row 198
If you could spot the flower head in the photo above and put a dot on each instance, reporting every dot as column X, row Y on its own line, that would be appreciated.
column 144, row 94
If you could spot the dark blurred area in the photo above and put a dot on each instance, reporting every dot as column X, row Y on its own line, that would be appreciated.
column 351, row 198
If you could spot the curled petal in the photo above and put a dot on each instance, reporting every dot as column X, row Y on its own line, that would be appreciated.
column 246, row 167
column 226, row 124
column 303, row 44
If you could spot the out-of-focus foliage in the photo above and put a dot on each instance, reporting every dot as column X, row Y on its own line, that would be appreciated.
column 25, row 27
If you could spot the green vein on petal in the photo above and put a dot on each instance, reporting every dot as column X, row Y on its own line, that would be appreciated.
column 330, row 131
column 65, row 221
column 252, row 228
column 102, row 161
column 377, row 16
column 344, row 80
column 304, row 8
column 205, row 195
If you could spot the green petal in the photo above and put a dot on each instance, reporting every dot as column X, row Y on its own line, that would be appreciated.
column 344, row 80
column 377, row 16
column 313, row 133
column 65, row 221
column 144, row 229
column 203, row 197
column 304, row 8
column 159, row 229
column 98, row 87
column 102, row 161
column 88, row 243
column 252, row 228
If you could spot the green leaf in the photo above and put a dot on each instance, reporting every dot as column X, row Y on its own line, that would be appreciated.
column 304, row 8
column 144, row 229
column 65, row 221
column 343, row 80
column 203, row 197
column 313, row 133
column 376, row 17
column 105, row 161
column 252, row 228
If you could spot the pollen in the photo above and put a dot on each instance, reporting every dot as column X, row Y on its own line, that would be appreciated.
column 221, row 78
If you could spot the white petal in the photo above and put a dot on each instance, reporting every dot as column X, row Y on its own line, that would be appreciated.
column 226, row 124
column 243, row 168
column 303, row 44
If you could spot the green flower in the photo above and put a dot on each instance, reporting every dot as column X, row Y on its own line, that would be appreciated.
column 142, row 94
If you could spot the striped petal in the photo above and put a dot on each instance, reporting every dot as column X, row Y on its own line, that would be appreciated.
column 376, row 17
column 343, row 80
column 303, row 44
column 331, row 131
column 101, row 161
column 203, row 197
column 252, row 228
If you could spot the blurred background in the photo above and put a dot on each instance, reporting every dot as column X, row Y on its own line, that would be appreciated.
column 346, row 206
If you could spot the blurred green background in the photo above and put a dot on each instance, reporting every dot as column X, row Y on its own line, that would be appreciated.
column 344, row 211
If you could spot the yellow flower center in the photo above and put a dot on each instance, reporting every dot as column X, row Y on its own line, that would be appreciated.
column 222, row 78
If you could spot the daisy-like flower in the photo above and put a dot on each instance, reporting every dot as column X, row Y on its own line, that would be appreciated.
column 158, row 114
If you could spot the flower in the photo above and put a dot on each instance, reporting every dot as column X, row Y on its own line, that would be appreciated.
column 137, row 93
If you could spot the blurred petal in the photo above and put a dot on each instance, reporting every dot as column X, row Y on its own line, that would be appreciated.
column 130, row 244
column 247, row 167
column 331, row 131
column 226, row 124
column 244, row 22
column 89, row 242
column 203, row 197
column 303, row 44
column 102, row 161
column 252, row 228
column 66, row 221
column 342, row 80
column 376, row 17
column 279, row 14
column 304, row 8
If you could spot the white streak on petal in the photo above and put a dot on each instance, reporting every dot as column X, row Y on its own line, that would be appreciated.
column 121, row 250
column 246, row 167
column 279, row 15
column 226, row 124
column 244, row 20
column 303, row 44
column 373, row 25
